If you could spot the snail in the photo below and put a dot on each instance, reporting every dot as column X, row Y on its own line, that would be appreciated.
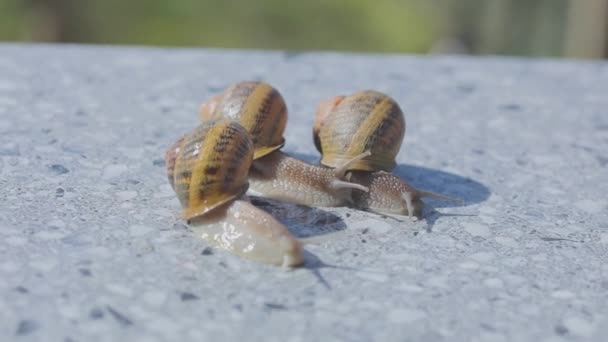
column 208, row 170
column 261, row 109
column 368, row 120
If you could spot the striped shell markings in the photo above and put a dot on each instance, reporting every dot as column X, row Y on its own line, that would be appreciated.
column 258, row 107
column 364, row 121
column 210, row 166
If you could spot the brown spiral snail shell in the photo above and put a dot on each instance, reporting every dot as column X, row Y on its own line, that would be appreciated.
column 258, row 107
column 208, row 170
column 369, row 121
column 261, row 109
column 364, row 121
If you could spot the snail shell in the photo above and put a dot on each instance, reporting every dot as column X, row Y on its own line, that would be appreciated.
column 210, row 166
column 258, row 107
column 367, row 120
column 208, row 170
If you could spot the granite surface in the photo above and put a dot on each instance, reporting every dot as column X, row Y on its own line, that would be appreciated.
column 92, row 247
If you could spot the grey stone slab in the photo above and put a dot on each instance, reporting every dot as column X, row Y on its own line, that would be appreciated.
column 92, row 246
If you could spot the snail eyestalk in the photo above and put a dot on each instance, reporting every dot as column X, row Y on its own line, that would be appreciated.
column 407, row 197
column 340, row 173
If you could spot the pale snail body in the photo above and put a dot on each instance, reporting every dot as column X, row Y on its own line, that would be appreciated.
column 380, row 126
column 389, row 194
column 284, row 178
column 262, row 111
column 247, row 231
column 208, row 169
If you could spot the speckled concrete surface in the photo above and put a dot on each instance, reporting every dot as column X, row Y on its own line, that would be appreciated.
column 92, row 246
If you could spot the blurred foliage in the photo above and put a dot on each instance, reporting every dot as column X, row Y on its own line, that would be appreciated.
column 514, row 27
column 362, row 25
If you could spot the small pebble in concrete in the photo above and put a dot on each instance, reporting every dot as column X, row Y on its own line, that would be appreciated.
column 561, row 330
column 511, row 107
column 96, row 313
column 187, row 296
column 274, row 306
column 58, row 169
column 26, row 326
column 85, row 272
column 119, row 317
column 22, row 289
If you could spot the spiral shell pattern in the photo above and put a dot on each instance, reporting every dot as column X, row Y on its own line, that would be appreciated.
column 259, row 108
column 208, row 167
column 364, row 121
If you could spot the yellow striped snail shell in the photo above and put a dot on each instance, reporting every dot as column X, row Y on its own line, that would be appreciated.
column 368, row 121
column 208, row 170
column 261, row 109
column 364, row 121
column 258, row 107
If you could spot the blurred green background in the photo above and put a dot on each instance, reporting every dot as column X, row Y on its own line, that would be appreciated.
column 562, row 28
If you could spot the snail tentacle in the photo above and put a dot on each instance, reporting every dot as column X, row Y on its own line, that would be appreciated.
column 340, row 173
column 408, row 197
column 338, row 184
column 341, row 169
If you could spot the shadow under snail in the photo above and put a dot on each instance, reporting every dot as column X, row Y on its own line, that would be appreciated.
column 261, row 109
column 208, row 170
column 368, row 121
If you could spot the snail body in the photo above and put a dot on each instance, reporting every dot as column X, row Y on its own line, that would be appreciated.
column 284, row 178
column 389, row 194
column 247, row 231
column 208, row 170
column 369, row 120
column 261, row 110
